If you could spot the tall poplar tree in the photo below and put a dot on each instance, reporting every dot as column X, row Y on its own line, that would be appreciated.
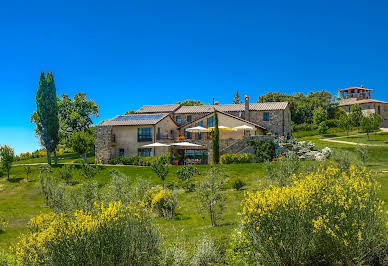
column 216, row 140
column 46, row 115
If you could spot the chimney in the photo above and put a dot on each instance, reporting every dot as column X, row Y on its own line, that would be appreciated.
column 247, row 116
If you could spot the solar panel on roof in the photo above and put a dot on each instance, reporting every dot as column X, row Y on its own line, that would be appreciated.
column 140, row 117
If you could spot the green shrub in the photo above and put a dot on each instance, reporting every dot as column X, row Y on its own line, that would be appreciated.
column 323, row 128
column 206, row 252
column 66, row 173
column 7, row 259
column 327, row 217
column 175, row 255
column 137, row 160
column 236, row 158
column 303, row 127
column 164, row 203
column 111, row 235
column 264, row 150
column 282, row 171
column 238, row 184
column 186, row 173
column 332, row 123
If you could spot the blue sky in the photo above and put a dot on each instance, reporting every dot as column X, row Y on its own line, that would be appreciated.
column 124, row 54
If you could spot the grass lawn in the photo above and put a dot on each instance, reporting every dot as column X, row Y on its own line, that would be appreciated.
column 20, row 200
column 381, row 138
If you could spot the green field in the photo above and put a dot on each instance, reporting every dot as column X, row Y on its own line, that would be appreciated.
column 20, row 200
column 380, row 138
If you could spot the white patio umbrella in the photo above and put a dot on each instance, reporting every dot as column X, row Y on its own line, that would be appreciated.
column 221, row 128
column 185, row 145
column 197, row 129
column 244, row 127
column 156, row 144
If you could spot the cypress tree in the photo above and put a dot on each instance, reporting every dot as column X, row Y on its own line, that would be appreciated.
column 216, row 140
column 236, row 99
column 46, row 117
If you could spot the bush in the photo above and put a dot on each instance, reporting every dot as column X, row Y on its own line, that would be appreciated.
column 282, row 171
column 175, row 256
column 66, row 173
column 239, row 252
column 336, row 218
column 343, row 159
column 113, row 235
column 132, row 160
column 323, row 128
column 264, row 150
column 236, row 158
column 7, row 258
column 238, row 184
column 186, row 173
column 164, row 203
column 332, row 123
column 119, row 188
column 206, row 253
column 303, row 127
column 3, row 224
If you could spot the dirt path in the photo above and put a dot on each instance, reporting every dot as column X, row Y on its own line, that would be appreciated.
column 355, row 143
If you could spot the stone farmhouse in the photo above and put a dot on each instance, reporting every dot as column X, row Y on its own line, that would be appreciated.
column 363, row 97
column 125, row 135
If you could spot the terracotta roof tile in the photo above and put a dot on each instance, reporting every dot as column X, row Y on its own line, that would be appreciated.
column 232, row 107
column 362, row 101
column 166, row 108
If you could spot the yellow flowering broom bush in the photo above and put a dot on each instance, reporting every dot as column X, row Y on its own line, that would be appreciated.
column 106, row 235
column 324, row 217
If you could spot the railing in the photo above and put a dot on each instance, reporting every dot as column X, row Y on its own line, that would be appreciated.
column 162, row 136
column 143, row 138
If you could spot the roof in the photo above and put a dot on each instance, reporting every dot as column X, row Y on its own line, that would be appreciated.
column 227, row 114
column 357, row 88
column 166, row 108
column 135, row 120
column 363, row 101
column 232, row 107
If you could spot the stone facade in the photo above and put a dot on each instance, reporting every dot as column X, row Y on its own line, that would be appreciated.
column 103, row 144
column 119, row 136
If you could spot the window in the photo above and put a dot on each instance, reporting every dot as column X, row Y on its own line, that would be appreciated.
column 121, row 152
column 189, row 135
column 266, row 116
column 189, row 118
column 200, row 124
column 210, row 121
column 114, row 138
column 178, row 119
column 144, row 152
column 198, row 135
column 144, row 134
column 247, row 133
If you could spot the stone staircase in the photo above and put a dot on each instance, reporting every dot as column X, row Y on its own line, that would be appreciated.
column 242, row 146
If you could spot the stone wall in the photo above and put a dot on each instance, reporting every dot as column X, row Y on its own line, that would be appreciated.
column 279, row 120
column 103, row 144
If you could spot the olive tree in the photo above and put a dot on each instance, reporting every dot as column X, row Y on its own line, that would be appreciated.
column 186, row 173
column 7, row 156
column 210, row 194
column 160, row 168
